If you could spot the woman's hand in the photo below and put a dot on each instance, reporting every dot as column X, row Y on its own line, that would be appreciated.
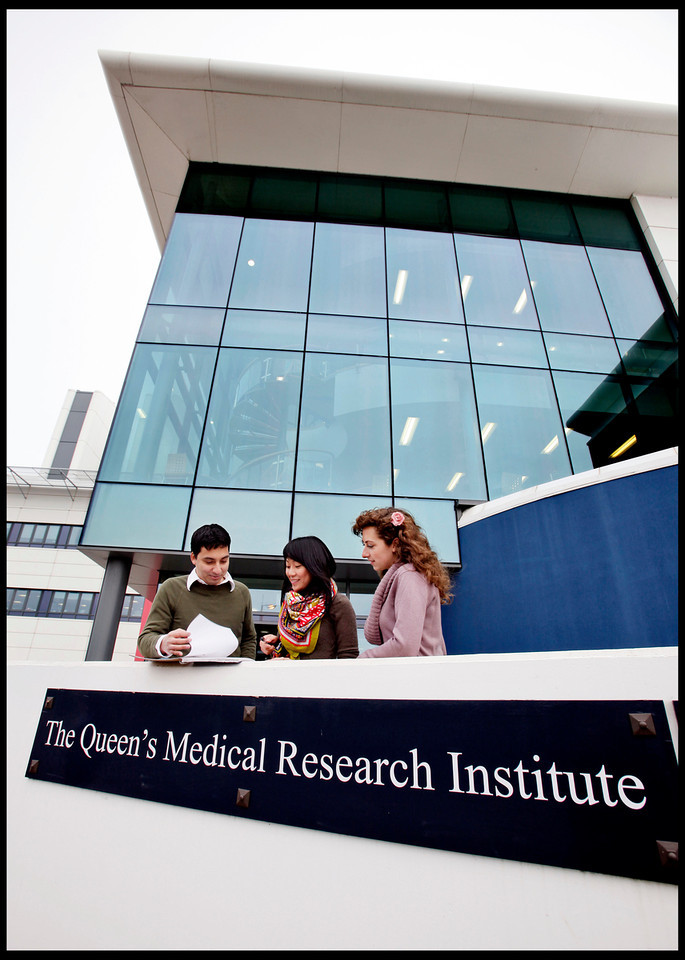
column 267, row 644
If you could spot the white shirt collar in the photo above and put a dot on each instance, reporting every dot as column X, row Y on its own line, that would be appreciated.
column 193, row 577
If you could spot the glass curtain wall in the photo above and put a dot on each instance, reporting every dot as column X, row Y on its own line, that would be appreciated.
column 314, row 346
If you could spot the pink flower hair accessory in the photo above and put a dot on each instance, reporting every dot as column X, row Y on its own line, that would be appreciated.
column 397, row 519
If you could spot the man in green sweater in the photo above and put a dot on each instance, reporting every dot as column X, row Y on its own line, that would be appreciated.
column 209, row 590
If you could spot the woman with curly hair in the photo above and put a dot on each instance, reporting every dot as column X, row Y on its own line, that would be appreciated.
column 405, row 619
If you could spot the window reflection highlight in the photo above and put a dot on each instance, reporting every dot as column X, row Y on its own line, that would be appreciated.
column 250, row 433
column 156, row 435
column 344, row 443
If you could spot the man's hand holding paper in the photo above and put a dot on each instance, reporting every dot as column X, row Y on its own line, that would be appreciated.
column 209, row 641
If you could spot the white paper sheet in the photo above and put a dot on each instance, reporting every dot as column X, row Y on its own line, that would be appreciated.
column 209, row 641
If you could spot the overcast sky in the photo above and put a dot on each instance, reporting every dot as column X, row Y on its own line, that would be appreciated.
column 81, row 252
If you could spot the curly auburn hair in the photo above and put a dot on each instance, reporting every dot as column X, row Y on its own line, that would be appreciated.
column 412, row 542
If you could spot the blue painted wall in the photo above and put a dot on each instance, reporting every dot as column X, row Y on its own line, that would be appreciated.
column 594, row 568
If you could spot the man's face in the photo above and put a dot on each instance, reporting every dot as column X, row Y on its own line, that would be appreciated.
column 211, row 565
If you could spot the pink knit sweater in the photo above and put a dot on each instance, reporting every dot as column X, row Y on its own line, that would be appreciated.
column 410, row 619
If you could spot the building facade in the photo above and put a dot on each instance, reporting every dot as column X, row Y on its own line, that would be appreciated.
column 52, row 588
column 382, row 292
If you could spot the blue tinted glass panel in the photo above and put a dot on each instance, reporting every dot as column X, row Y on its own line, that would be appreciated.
column 197, row 325
column 344, row 442
column 331, row 519
column 588, row 403
column 250, row 434
column 647, row 358
column 348, row 271
column 428, row 341
column 272, row 271
column 71, row 604
column 494, row 283
column 516, row 348
column 156, row 433
column 522, row 434
column 565, row 291
column 630, row 297
column 198, row 261
column 258, row 328
column 257, row 522
column 422, row 276
column 132, row 515
column 438, row 520
column 432, row 459
column 363, row 335
column 57, row 603
column 592, row 354
column 16, row 600
column 32, row 601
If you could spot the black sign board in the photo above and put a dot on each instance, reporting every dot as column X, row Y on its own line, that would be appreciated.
column 589, row 785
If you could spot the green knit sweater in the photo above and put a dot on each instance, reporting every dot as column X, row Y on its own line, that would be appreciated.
column 177, row 606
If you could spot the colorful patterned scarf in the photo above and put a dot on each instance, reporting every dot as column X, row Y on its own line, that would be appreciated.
column 299, row 622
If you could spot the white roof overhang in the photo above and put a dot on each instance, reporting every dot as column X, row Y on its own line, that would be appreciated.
column 175, row 109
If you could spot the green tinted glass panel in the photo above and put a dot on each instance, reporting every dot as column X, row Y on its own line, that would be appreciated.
column 522, row 435
column 348, row 270
column 592, row 354
column 362, row 335
column 197, row 325
column 350, row 198
column 629, row 295
column 542, row 219
column 272, row 269
column 605, row 227
column 422, row 204
column 494, row 283
column 594, row 409
column 249, row 438
column 136, row 515
column 476, row 210
column 257, row 522
column 588, row 403
column 344, row 440
column 422, row 276
column 289, row 195
column 428, row 341
column 209, row 191
column 198, row 261
column 259, row 328
column 429, row 458
column 158, row 424
column 516, row 348
column 647, row 358
column 566, row 295
column 331, row 519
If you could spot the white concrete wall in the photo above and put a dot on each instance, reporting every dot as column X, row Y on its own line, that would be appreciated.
column 93, row 436
column 88, row 870
column 658, row 217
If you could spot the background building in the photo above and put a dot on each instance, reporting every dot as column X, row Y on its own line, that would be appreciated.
column 53, row 588
column 378, row 291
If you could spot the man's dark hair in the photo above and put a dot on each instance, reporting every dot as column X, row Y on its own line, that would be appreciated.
column 210, row 536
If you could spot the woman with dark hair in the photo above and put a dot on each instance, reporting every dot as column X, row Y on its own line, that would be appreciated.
column 316, row 622
column 405, row 619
